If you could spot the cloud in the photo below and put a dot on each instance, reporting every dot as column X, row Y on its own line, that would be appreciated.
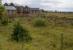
column 35, row 3
column 18, row 1
column 63, row 5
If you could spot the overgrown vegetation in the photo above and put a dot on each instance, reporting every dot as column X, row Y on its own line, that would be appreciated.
column 48, row 38
column 43, row 39
column 3, row 18
column 20, row 34
column 4, row 21
column 40, row 22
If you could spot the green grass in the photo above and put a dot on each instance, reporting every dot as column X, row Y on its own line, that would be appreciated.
column 44, row 38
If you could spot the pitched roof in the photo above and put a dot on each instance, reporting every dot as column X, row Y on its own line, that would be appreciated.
column 10, row 8
column 34, row 8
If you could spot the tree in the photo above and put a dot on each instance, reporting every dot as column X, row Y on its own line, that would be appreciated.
column 0, row 2
column 3, row 18
column 11, row 4
column 2, row 9
column 19, row 34
column 6, row 4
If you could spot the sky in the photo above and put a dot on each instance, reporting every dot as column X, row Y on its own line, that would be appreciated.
column 59, row 5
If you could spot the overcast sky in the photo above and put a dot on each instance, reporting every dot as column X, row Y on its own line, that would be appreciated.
column 61, row 5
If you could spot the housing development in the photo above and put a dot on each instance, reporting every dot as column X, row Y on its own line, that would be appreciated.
column 16, row 10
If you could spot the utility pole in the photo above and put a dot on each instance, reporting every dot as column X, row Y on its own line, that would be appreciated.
column 61, row 48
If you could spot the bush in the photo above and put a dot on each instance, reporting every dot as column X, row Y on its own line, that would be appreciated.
column 4, row 22
column 20, row 34
column 40, row 22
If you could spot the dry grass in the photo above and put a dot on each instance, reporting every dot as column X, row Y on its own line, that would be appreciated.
column 44, row 38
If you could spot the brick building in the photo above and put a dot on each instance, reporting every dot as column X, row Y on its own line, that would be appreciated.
column 17, row 10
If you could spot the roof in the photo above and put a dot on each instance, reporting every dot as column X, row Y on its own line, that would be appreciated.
column 34, row 8
column 10, row 8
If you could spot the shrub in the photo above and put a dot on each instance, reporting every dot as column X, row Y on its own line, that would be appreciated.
column 4, row 22
column 40, row 22
column 20, row 34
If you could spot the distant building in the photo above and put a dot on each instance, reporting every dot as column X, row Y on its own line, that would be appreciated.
column 31, row 10
column 11, row 10
column 18, row 10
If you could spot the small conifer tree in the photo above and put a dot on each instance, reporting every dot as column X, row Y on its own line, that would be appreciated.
column 19, row 34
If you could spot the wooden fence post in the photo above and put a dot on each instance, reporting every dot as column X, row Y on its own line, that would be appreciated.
column 62, row 38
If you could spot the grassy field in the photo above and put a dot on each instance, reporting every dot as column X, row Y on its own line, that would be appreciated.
column 43, row 38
